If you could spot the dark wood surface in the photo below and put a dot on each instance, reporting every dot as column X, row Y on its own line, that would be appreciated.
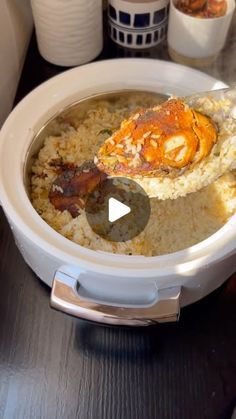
column 56, row 366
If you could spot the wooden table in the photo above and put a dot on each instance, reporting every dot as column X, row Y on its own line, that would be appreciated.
column 55, row 366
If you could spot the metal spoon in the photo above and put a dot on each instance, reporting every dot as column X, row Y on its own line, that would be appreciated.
column 79, row 108
column 226, row 96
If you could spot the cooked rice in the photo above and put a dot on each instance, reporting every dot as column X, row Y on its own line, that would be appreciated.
column 173, row 224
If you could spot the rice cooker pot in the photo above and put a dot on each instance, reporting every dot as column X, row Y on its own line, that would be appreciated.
column 95, row 285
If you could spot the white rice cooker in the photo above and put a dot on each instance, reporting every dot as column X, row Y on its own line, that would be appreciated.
column 95, row 285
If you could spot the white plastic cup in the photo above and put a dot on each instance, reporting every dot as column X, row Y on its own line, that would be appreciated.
column 70, row 32
column 197, row 41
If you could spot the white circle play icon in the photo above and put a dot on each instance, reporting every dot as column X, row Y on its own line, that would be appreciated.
column 116, row 210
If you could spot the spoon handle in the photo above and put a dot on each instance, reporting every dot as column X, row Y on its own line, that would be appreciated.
column 218, row 94
column 226, row 98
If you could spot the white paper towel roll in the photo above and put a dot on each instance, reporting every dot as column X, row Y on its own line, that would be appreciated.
column 68, row 32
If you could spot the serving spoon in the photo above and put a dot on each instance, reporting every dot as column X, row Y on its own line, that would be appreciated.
column 172, row 150
column 56, row 124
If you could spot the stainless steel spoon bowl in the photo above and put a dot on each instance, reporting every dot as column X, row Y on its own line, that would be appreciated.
column 78, row 109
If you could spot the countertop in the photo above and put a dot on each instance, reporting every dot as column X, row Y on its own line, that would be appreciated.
column 56, row 366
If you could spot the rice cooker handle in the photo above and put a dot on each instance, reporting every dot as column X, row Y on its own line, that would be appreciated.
column 65, row 297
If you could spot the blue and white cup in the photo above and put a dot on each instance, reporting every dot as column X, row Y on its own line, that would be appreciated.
column 138, row 23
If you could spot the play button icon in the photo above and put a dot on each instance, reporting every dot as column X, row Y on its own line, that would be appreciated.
column 118, row 209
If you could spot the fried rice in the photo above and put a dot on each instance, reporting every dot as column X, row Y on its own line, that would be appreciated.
column 173, row 224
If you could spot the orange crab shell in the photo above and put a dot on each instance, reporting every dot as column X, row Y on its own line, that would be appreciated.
column 162, row 139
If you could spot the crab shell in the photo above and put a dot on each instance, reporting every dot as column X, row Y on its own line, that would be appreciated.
column 164, row 140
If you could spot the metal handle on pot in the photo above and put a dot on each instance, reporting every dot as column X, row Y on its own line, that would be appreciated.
column 65, row 297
